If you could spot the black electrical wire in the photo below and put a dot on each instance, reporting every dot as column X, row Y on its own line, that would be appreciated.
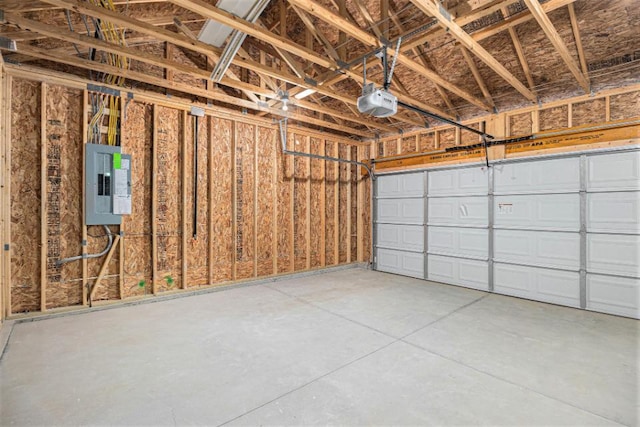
column 195, row 177
column 486, row 144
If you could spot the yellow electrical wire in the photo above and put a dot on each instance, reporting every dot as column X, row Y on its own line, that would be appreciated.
column 95, row 119
column 111, row 34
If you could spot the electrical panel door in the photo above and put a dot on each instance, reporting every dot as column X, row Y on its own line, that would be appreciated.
column 108, row 184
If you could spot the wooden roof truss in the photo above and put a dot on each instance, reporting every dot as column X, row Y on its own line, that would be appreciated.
column 317, row 64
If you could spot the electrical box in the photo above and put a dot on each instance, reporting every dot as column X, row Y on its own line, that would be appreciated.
column 108, row 184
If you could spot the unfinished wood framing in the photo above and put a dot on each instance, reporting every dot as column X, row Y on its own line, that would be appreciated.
column 44, row 229
column 5, row 193
column 183, row 179
column 85, row 122
column 154, row 203
column 248, row 210
column 122, row 273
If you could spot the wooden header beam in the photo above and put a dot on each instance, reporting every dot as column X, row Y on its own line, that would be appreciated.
column 577, row 138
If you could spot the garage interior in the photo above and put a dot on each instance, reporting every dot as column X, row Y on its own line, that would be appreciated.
column 354, row 212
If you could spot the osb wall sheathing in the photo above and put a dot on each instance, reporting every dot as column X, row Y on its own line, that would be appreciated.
column 353, row 214
column 521, row 124
column 447, row 138
column 391, row 147
column 625, row 105
column 198, row 246
column 63, row 133
column 343, row 197
column 25, row 196
column 586, row 112
column 169, row 196
column 245, row 171
column 137, row 132
column 291, row 213
column 331, row 192
column 285, row 211
column 366, row 211
column 222, row 214
column 427, row 141
column 554, row 118
column 317, row 204
column 266, row 192
column 467, row 137
column 300, row 191
column 590, row 111
column 408, row 145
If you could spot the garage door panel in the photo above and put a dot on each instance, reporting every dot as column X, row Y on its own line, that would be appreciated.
column 459, row 211
column 403, row 237
column 613, row 295
column 538, row 248
column 401, row 211
column 555, row 286
column 536, row 242
column 459, row 182
column 460, row 242
column 613, row 254
column 399, row 262
column 538, row 212
column 614, row 212
column 400, row 186
column 458, row 271
column 619, row 171
column 543, row 176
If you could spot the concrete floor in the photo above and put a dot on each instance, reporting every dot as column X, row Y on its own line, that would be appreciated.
column 351, row 347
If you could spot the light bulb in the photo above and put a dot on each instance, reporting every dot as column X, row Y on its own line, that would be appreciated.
column 285, row 107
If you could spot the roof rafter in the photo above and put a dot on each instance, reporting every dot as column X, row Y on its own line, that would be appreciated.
column 166, row 84
column 87, row 41
column 476, row 75
column 515, row 40
column 37, row 5
column 135, row 24
column 321, row 38
column 578, row 39
column 422, row 56
column 279, row 41
column 443, row 17
column 372, row 24
column 476, row 14
column 368, row 39
column 195, row 45
column 517, row 19
column 187, row 32
column 555, row 39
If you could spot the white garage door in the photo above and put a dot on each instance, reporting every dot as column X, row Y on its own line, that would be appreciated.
column 458, row 227
column 399, row 224
column 563, row 230
column 613, row 233
column 536, row 246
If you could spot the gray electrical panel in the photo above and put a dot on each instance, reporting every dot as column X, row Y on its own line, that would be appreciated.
column 108, row 184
